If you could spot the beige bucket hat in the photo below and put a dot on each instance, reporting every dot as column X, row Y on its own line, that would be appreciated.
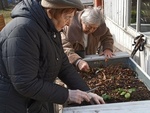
column 58, row 4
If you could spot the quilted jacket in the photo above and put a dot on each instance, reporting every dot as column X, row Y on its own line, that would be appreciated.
column 31, row 58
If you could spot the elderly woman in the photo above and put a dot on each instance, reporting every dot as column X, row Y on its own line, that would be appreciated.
column 87, row 34
column 32, row 57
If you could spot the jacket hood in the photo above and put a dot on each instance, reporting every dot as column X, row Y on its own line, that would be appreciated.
column 32, row 9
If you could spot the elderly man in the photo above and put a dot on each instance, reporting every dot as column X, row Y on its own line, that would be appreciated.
column 87, row 34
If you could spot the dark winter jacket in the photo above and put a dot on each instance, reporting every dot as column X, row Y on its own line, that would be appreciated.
column 31, row 57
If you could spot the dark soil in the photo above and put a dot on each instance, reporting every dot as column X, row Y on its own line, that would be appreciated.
column 117, row 84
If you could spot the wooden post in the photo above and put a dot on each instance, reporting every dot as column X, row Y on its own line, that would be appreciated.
column 2, row 22
column 98, row 3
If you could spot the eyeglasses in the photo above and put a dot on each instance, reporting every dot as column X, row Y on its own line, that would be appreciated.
column 91, row 27
column 68, row 17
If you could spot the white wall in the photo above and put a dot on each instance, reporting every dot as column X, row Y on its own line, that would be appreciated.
column 116, row 13
column 86, row 1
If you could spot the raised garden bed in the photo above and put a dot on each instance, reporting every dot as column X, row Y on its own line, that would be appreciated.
column 117, row 83
column 120, row 79
column 128, row 77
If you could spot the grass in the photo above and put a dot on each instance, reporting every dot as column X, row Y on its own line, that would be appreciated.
column 6, row 14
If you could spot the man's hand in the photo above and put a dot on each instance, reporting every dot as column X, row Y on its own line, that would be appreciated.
column 107, row 53
column 83, row 66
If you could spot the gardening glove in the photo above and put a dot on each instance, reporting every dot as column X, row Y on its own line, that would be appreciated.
column 78, row 96
column 83, row 66
column 95, row 99
column 107, row 53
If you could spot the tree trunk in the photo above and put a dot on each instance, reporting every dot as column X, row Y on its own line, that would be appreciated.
column 1, row 5
column 5, row 3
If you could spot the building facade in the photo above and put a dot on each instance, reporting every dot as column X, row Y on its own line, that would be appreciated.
column 128, row 19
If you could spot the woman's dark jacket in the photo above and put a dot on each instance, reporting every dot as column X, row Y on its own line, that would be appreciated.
column 31, row 57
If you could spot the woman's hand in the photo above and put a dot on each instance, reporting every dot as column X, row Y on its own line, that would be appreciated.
column 95, row 99
column 78, row 96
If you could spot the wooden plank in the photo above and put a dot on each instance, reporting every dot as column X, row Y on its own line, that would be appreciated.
column 124, row 107
column 2, row 22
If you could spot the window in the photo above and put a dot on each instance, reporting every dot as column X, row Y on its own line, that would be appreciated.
column 140, row 15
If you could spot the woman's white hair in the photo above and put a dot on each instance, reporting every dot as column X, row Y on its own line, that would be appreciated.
column 93, row 15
